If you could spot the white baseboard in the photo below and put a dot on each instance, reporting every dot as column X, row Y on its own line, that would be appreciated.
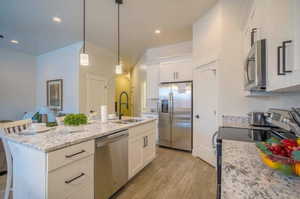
column 206, row 154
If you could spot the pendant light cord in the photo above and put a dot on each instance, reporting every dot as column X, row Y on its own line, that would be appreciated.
column 84, row 26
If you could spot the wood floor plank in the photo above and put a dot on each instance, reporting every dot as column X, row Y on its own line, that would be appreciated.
column 172, row 175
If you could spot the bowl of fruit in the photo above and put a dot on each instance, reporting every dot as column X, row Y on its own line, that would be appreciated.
column 282, row 155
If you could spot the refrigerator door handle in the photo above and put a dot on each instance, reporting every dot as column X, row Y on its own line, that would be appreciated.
column 170, row 106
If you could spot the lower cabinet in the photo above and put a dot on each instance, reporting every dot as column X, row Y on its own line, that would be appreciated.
column 149, row 151
column 67, row 173
column 141, row 147
column 135, row 156
column 72, row 174
column 68, row 180
column 82, row 193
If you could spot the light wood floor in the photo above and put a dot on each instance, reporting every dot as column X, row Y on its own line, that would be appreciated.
column 172, row 175
column 2, row 186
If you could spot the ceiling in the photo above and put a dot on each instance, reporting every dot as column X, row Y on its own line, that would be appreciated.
column 30, row 22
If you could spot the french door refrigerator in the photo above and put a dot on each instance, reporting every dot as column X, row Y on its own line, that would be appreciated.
column 175, row 115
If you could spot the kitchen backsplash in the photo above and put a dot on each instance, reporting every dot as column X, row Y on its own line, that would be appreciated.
column 235, row 121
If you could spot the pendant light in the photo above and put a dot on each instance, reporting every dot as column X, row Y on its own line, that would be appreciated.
column 119, row 67
column 84, row 57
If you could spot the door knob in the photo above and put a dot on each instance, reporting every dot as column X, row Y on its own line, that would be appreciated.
column 197, row 116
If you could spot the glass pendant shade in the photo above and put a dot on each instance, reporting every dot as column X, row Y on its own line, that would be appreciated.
column 119, row 69
column 84, row 59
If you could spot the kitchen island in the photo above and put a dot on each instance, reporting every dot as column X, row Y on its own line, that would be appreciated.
column 60, row 164
column 244, row 176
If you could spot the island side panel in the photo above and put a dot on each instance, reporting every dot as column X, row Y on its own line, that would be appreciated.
column 30, row 172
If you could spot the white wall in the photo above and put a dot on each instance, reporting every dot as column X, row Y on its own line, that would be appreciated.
column 207, row 37
column 232, row 100
column 165, row 53
column 17, row 84
column 138, row 78
column 102, row 64
column 60, row 64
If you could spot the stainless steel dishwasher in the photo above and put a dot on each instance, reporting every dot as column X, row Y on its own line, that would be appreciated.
column 111, row 164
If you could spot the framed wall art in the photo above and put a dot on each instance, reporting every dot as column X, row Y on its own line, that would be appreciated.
column 55, row 94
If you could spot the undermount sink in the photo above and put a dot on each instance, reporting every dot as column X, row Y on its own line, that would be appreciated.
column 127, row 121
column 133, row 120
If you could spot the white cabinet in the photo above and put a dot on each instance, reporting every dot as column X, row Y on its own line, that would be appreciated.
column 167, row 72
column 280, row 29
column 152, row 82
column 141, row 147
column 278, row 22
column 66, row 181
column 149, row 151
column 176, row 71
column 70, row 170
column 135, row 155
column 66, row 173
column 69, row 154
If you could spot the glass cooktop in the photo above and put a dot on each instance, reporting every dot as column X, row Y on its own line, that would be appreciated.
column 252, row 134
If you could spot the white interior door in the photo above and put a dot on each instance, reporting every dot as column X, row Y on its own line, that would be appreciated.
column 205, row 112
column 96, row 93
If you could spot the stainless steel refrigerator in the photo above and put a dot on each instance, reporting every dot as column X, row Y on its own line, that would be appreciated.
column 175, row 115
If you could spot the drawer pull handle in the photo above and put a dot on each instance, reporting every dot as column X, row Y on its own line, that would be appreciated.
column 74, row 154
column 73, row 179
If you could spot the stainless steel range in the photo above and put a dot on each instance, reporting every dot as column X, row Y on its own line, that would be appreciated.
column 288, row 120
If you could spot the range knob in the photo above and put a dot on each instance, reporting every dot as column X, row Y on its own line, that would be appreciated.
column 286, row 120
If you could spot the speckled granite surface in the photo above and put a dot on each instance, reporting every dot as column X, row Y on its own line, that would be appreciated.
column 244, row 176
column 59, row 138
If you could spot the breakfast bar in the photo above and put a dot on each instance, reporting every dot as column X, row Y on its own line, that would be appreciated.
column 62, row 164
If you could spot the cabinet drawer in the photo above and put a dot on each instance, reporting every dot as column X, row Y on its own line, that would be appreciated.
column 71, row 179
column 139, row 130
column 82, row 193
column 70, row 154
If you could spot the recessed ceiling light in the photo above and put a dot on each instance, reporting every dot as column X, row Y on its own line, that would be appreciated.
column 14, row 41
column 56, row 19
column 157, row 31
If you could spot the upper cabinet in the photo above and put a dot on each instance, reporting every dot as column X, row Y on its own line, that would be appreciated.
column 176, row 71
column 280, row 26
column 152, row 82
column 278, row 22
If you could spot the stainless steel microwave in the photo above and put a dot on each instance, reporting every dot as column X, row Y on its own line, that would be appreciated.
column 256, row 67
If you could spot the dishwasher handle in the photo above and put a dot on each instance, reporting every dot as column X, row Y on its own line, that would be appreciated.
column 111, row 138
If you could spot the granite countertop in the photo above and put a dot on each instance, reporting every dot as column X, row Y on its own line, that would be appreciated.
column 244, row 176
column 59, row 138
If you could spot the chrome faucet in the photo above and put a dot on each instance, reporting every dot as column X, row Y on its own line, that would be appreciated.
column 120, row 103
